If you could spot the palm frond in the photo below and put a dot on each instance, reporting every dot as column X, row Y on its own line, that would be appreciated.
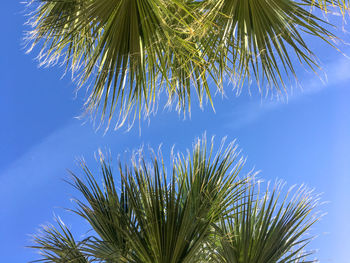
column 267, row 230
column 107, row 211
column 261, row 41
column 195, row 210
column 128, row 52
column 57, row 245
column 331, row 5
column 175, row 216
column 159, row 217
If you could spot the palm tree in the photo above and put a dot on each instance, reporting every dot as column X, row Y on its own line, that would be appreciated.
column 200, row 212
column 127, row 52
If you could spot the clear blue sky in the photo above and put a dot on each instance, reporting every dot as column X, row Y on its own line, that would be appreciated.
column 306, row 140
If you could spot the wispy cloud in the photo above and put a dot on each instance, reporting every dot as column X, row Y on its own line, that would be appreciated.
column 46, row 162
column 335, row 74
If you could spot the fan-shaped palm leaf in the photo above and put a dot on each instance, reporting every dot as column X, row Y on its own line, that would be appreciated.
column 156, row 216
column 261, row 40
column 106, row 212
column 175, row 216
column 199, row 212
column 266, row 231
column 58, row 245
column 129, row 47
column 128, row 51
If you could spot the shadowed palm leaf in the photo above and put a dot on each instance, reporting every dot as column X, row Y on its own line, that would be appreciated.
column 107, row 213
column 129, row 51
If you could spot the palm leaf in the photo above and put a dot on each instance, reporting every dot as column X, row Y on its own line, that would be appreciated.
column 58, row 245
column 107, row 211
column 195, row 210
column 175, row 216
column 260, row 40
column 154, row 218
column 128, row 47
column 128, row 52
column 264, row 229
column 327, row 5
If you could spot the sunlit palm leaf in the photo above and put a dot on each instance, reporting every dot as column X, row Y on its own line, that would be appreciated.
column 128, row 47
column 175, row 216
column 196, row 210
column 261, row 40
column 266, row 230
column 330, row 5
column 58, row 245
column 157, row 218
column 62, row 27
column 129, row 51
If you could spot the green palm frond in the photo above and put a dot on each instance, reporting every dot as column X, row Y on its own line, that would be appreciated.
column 262, row 40
column 202, row 175
column 57, row 245
column 330, row 5
column 107, row 210
column 175, row 216
column 159, row 217
column 195, row 210
column 266, row 230
column 128, row 52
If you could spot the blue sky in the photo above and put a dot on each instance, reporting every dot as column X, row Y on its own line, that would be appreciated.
column 305, row 140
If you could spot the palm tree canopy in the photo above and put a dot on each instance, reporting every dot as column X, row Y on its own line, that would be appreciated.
column 199, row 212
column 127, row 52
